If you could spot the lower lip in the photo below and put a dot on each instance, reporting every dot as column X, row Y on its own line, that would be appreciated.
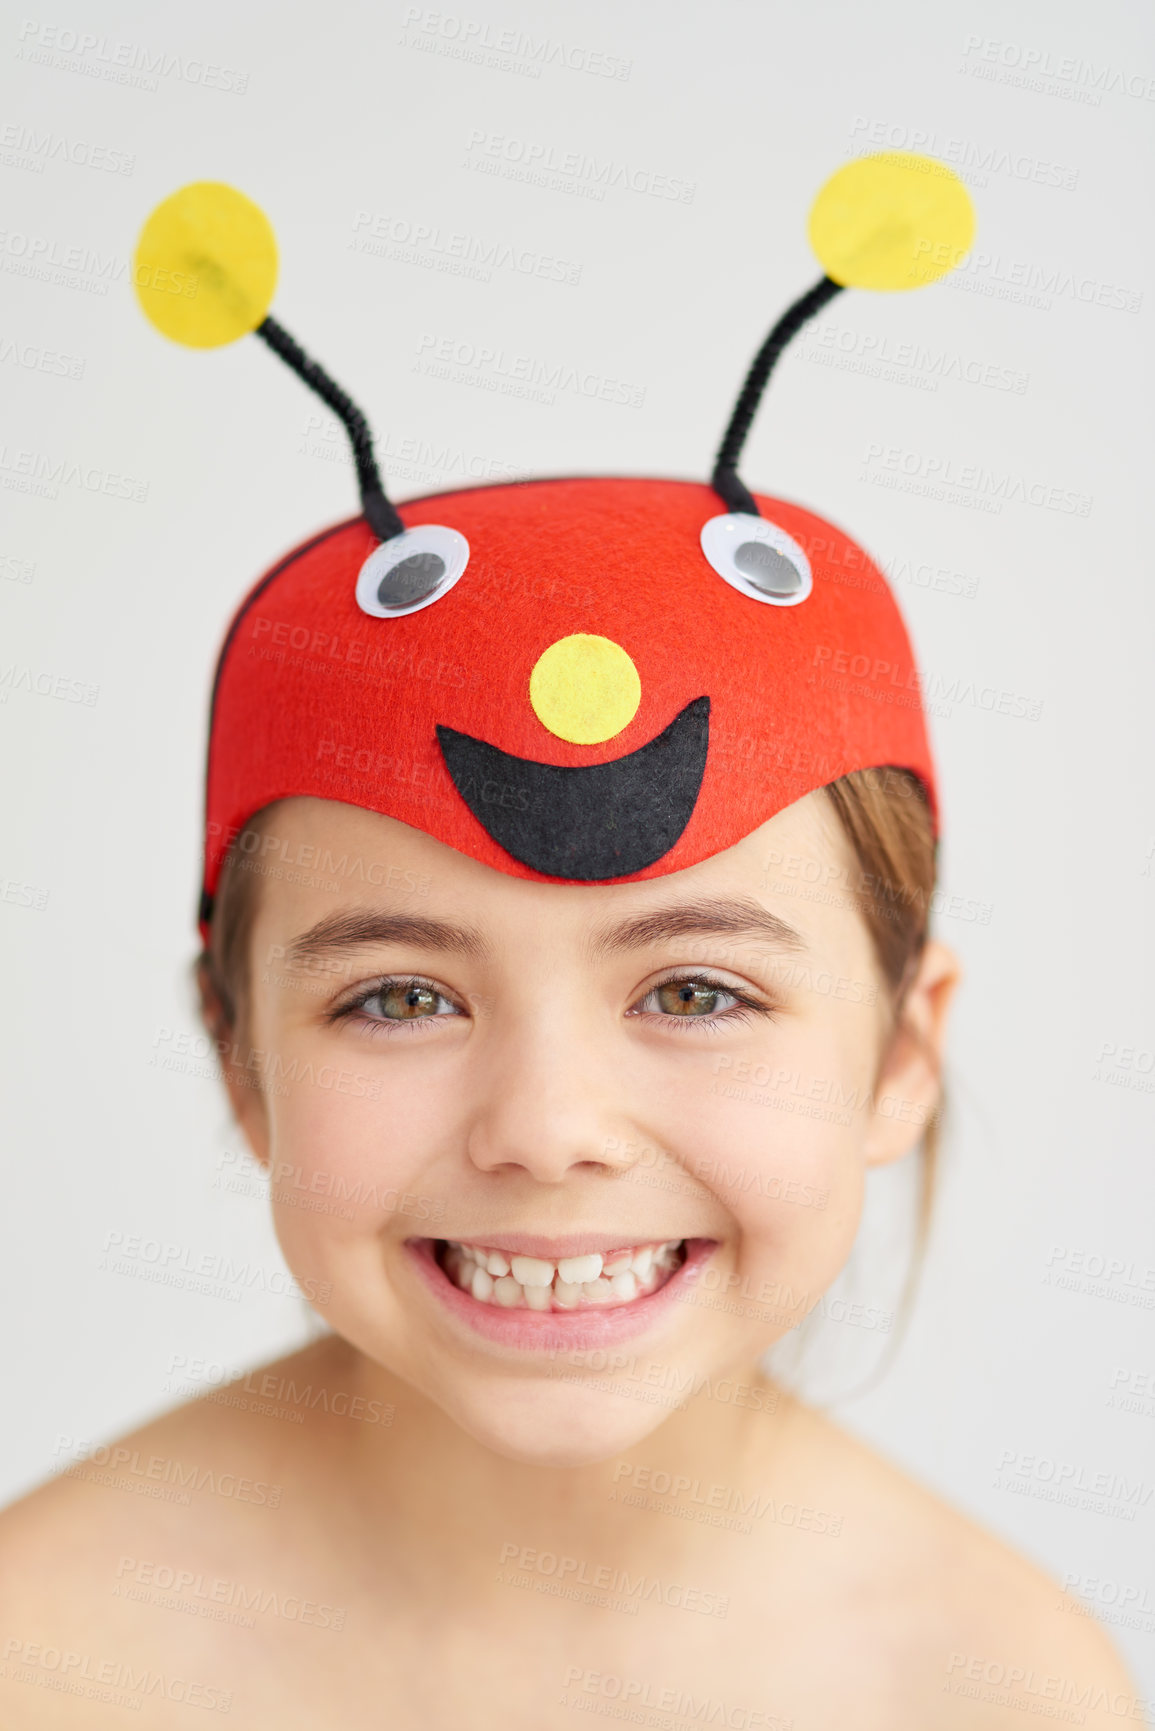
column 557, row 1330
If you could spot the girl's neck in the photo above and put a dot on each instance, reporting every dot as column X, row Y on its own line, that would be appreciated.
column 447, row 1499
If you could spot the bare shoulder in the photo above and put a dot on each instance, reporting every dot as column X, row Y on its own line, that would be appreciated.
column 982, row 1626
column 126, row 1580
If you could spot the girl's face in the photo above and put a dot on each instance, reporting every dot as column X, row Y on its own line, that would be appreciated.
column 561, row 1155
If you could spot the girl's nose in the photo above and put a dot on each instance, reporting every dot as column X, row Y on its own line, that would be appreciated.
column 547, row 1107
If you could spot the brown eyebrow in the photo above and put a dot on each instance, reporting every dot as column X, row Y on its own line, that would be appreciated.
column 355, row 930
column 698, row 918
column 358, row 929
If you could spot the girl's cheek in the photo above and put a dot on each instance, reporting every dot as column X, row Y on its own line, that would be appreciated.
column 779, row 1145
column 348, row 1167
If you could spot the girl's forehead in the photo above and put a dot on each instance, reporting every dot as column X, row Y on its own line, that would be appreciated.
column 352, row 875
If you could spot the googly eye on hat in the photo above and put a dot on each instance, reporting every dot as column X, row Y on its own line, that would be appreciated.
column 410, row 571
column 757, row 558
column 584, row 680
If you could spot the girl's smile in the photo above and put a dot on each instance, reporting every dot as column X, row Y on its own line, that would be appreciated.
column 548, row 1296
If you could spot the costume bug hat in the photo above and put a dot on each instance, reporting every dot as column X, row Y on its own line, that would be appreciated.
column 581, row 680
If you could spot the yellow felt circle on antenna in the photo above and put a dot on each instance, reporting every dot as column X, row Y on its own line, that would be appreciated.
column 585, row 689
column 891, row 221
column 206, row 265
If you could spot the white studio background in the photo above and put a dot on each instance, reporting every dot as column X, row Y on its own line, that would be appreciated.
column 1032, row 1333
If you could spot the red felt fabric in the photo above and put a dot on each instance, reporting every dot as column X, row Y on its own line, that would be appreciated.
column 315, row 697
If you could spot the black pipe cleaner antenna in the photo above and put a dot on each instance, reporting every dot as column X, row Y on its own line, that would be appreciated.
column 725, row 480
column 380, row 514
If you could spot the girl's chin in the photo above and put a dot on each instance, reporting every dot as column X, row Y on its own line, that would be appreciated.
column 567, row 1427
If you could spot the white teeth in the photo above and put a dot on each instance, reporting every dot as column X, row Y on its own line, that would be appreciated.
column 579, row 1269
column 531, row 1271
column 534, row 1283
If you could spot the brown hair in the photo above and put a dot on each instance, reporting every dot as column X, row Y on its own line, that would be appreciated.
column 884, row 817
column 887, row 822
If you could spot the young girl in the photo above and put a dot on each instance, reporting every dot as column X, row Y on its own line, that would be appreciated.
column 512, row 990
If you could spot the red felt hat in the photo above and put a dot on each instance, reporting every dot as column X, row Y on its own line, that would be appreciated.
column 579, row 680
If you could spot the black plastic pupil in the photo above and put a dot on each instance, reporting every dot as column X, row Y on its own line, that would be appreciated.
column 768, row 570
column 411, row 580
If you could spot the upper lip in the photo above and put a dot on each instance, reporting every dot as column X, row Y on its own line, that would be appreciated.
column 567, row 1244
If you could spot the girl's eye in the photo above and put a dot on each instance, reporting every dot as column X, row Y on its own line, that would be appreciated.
column 688, row 997
column 691, row 997
column 404, row 1001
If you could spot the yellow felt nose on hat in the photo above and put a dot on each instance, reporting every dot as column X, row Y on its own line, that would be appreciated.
column 585, row 689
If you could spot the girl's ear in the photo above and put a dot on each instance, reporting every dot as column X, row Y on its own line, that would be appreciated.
column 246, row 1099
column 908, row 1092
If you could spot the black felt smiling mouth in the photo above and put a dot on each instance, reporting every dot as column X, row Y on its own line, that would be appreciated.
column 593, row 821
